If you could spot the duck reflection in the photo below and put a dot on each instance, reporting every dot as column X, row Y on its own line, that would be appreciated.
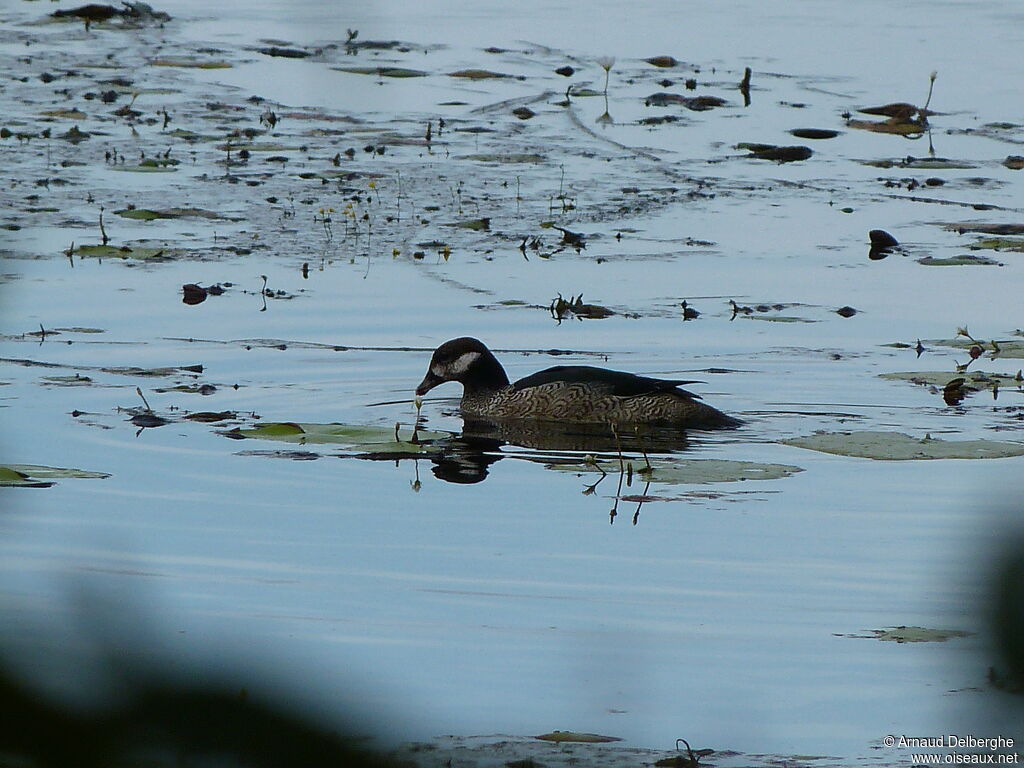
column 467, row 457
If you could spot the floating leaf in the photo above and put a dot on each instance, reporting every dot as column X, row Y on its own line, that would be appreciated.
column 973, row 380
column 190, row 63
column 963, row 260
column 905, row 634
column 148, row 214
column 368, row 438
column 382, row 71
column 123, row 252
column 573, row 736
column 38, row 476
column 662, row 62
column 508, row 158
column 1015, row 244
column 477, row 74
column 814, row 133
column 896, row 446
column 690, row 471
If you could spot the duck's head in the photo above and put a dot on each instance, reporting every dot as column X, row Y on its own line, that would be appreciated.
column 466, row 360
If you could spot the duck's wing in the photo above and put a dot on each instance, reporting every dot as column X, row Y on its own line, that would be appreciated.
column 604, row 381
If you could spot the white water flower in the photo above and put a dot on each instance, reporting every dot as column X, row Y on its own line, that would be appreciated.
column 606, row 62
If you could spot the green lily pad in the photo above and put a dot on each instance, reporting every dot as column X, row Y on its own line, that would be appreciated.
column 690, row 471
column 382, row 71
column 190, row 63
column 1015, row 244
column 67, row 381
column 477, row 74
column 146, row 167
column 366, row 438
column 976, row 380
column 997, row 348
column 777, row 318
column 147, row 214
column 505, row 158
column 896, row 446
column 38, row 476
column 123, row 252
column 572, row 736
column 915, row 634
column 478, row 225
column 963, row 260
column 68, row 114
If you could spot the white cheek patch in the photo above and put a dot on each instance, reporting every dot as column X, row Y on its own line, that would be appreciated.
column 462, row 363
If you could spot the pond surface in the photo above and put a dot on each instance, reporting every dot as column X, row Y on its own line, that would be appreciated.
column 515, row 596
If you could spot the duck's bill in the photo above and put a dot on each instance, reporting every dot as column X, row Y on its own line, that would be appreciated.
column 429, row 382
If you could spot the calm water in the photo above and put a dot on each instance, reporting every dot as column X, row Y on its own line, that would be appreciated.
column 511, row 605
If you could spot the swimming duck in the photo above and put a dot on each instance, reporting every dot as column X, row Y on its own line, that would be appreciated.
column 578, row 394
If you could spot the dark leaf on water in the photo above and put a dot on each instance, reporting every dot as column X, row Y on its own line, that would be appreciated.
column 664, row 62
column 814, row 133
column 193, row 294
column 149, row 420
column 778, row 154
column 882, row 239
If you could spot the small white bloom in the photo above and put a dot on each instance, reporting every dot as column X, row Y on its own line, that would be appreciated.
column 606, row 62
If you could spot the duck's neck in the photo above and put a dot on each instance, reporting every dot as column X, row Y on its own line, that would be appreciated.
column 485, row 376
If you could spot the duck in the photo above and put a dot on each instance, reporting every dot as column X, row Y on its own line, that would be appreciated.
column 576, row 394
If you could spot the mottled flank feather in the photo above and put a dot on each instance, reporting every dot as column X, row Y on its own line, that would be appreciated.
column 577, row 394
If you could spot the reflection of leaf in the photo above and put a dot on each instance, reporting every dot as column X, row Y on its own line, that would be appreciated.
column 895, row 446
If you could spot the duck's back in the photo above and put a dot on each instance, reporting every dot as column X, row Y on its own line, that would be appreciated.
column 587, row 395
column 603, row 381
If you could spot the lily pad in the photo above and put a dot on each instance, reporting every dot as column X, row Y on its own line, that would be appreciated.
column 189, row 63
column 963, row 260
column 976, row 380
column 38, row 476
column 690, row 471
column 572, row 736
column 896, row 446
column 506, row 158
column 122, row 252
column 382, row 71
column 147, row 214
column 146, row 167
column 371, row 439
column 477, row 74
column 1013, row 348
column 999, row 244
column 905, row 634
column 778, row 318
